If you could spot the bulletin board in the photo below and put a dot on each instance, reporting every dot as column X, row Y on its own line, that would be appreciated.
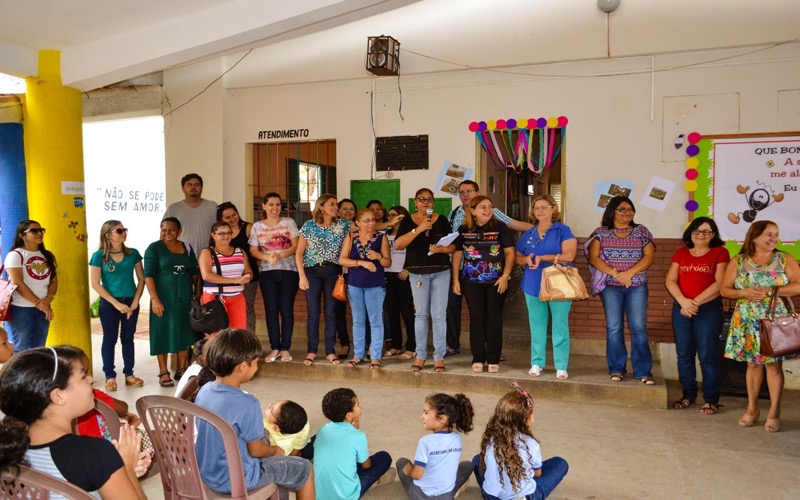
column 740, row 179
column 386, row 190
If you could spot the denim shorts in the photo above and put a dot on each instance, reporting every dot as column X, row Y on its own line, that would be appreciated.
column 289, row 472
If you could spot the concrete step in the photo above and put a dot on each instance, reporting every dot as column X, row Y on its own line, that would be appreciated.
column 588, row 380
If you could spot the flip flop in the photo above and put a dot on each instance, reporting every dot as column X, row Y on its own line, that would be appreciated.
column 709, row 409
column 391, row 352
column 334, row 360
column 375, row 364
column 617, row 377
column 309, row 360
column 684, row 403
column 354, row 362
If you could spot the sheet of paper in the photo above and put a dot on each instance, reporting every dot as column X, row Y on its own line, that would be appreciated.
column 446, row 240
column 658, row 193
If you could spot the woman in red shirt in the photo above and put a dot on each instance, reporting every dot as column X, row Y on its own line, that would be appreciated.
column 694, row 279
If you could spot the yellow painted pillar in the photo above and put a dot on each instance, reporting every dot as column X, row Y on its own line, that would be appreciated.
column 54, row 162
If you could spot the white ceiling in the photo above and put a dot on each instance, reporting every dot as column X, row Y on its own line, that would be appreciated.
column 103, row 42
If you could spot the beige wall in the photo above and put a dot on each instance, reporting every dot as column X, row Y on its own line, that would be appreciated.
column 620, row 127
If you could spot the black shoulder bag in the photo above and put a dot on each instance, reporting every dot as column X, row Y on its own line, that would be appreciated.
column 210, row 317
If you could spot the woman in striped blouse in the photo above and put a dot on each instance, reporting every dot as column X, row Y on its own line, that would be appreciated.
column 229, row 280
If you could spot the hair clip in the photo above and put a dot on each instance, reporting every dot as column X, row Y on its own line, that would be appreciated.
column 524, row 393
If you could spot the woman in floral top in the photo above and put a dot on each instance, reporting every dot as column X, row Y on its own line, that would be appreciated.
column 317, row 257
column 749, row 279
column 619, row 253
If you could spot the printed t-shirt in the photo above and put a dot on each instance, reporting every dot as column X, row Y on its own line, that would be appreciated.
column 695, row 274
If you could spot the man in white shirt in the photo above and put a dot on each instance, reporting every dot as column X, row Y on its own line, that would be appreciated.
column 468, row 190
column 196, row 214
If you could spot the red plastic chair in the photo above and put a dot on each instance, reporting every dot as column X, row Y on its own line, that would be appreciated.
column 170, row 423
column 34, row 484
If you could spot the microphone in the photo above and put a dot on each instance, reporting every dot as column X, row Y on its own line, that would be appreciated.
column 429, row 213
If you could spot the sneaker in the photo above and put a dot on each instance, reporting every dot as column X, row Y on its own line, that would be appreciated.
column 562, row 374
column 535, row 371
column 387, row 477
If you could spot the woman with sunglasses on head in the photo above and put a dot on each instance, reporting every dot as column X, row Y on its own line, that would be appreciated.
column 317, row 258
column 429, row 275
column 347, row 211
column 227, row 212
column 33, row 269
column 694, row 280
column 619, row 253
column 42, row 392
column 225, row 270
column 171, row 272
column 273, row 242
column 112, row 268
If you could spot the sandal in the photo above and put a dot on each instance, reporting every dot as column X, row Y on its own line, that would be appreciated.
column 309, row 359
column 535, row 371
column 272, row 357
column 179, row 373
column 438, row 366
column 407, row 355
column 111, row 385
column 418, row 365
column 772, row 425
column 375, row 364
column 134, row 381
column 494, row 368
column 747, row 420
column 709, row 409
column 286, row 356
column 344, row 352
column 165, row 383
column 617, row 377
column 477, row 367
column 684, row 403
column 334, row 360
column 354, row 362
column 648, row 381
column 391, row 352
column 562, row 374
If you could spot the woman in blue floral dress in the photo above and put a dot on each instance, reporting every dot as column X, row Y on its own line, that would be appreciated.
column 750, row 278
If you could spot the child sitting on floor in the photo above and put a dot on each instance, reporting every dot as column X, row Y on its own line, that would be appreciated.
column 437, row 470
column 343, row 467
column 510, row 463
column 288, row 427
column 233, row 356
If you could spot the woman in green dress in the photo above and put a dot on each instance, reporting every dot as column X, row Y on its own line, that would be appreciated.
column 749, row 279
column 170, row 270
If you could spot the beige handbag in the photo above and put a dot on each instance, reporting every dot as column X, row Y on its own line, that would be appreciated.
column 562, row 283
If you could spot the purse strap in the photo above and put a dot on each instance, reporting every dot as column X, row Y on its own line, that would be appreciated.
column 219, row 268
column 773, row 304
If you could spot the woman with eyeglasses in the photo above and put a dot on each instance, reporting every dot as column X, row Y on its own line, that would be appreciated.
column 750, row 279
column 429, row 271
column 32, row 268
column 486, row 247
column 225, row 270
column 694, row 280
column 273, row 242
column 317, row 257
column 227, row 212
column 170, row 273
column 112, row 269
column 547, row 243
column 619, row 253
column 366, row 253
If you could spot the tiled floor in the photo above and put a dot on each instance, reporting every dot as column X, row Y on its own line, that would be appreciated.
column 613, row 452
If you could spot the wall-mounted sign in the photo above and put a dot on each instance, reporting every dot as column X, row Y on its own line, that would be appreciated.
column 291, row 133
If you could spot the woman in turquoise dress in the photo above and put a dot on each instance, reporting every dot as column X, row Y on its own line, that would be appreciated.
column 749, row 279
column 170, row 270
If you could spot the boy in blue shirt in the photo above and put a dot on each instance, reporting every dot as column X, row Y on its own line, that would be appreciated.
column 344, row 469
column 233, row 356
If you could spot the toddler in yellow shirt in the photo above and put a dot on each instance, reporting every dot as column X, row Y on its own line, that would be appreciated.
column 288, row 427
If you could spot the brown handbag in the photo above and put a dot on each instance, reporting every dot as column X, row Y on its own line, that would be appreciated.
column 779, row 336
column 340, row 289
column 561, row 283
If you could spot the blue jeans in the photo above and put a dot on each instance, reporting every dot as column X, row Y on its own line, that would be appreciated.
column 619, row 302
column 321, row 280
column 381, row 461
column 553, row 472
column 27, row 328
column 116, row 324
column 278, row 290
column 430, row 301
column 366, row 302
column 698, row 336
